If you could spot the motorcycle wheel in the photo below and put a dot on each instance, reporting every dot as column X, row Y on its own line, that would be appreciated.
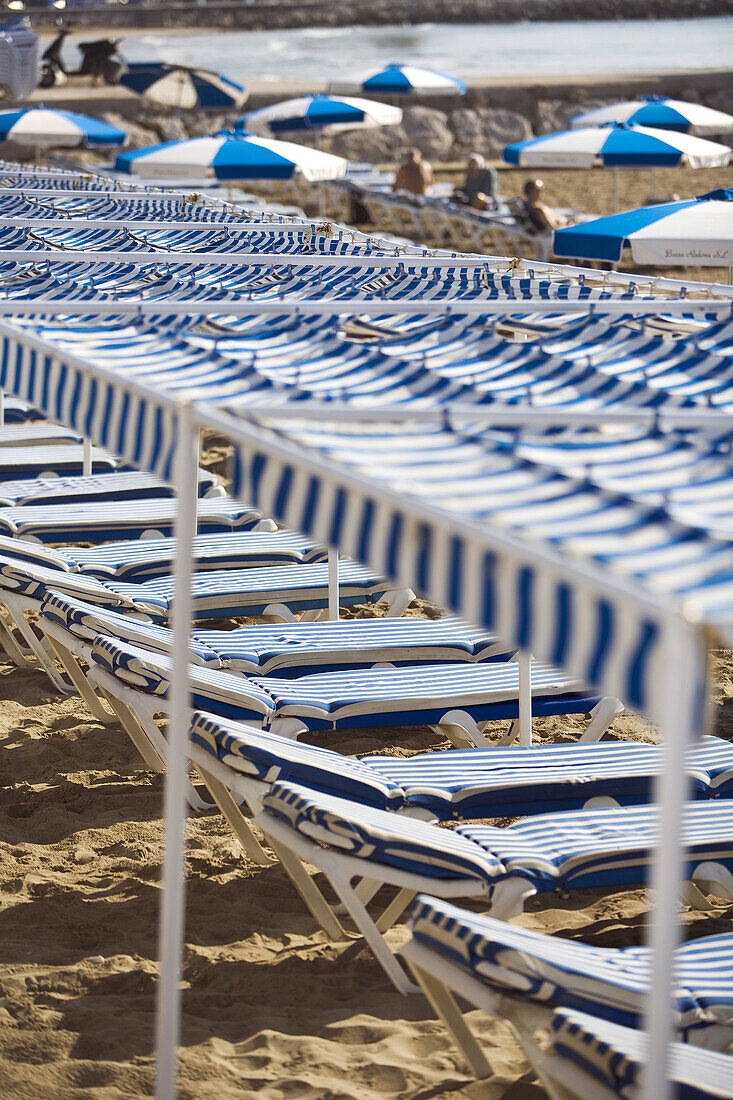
column 112, row 71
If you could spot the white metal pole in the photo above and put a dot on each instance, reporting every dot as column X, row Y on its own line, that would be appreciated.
column 172, row 908
column 333, row 585
column 615, row 190
column 2, row 406
column 86, row 467
column 524, row 661
column 671, row 791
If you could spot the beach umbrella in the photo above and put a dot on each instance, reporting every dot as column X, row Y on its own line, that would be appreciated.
column 231, row 156
column 43, row 126
column 324, row 113
column 182, row 87
column 399, row 80
column 698, row 231
column 617, row 145
column 660, row 113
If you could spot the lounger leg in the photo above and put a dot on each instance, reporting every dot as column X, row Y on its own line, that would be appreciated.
column 460, row 728
column 602, row 715
column 509, row 896
column 319, row 908
column 11, row 647
column 79, row 680
column 395, row 909
column 41, row 653
column 444, row 1005
column 398, row 602
column 365, row 890
column 235, row 819
column 370, row 931
column 128, row 720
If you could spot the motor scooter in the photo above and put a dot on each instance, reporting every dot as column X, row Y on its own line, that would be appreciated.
column 100, row 59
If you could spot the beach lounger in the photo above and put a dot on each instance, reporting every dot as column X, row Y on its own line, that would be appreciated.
column 348, row 841
column 458, row 699
column 36, row 435
column 14, row 411
column 589, row 1057
column 275, row 591
column 95, row 521
column 114, row 486
column 504, row 970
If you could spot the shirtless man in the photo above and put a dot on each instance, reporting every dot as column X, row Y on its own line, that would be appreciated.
column 414, row 174
column 541, row 216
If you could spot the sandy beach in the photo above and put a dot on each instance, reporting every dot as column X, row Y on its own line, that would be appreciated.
column 269, row 1006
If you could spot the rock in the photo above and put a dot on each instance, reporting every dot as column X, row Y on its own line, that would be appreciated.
column 137, row 136
column 84, row 855
column 167, row 127
column 380, row 145
column 427, row 129
column 556, row 114
column 487, row 130
column 96, row 960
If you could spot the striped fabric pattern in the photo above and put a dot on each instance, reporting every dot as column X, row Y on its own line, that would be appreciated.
column 606, row 982
column 603, row 847
column 466, row 783
column 505, row 781
column 422, row 695
column 86, row 622
column 221, row 593
column 379, row 836
column 114, row 486
column 230, row 696
column 269, row 757
column 64, row 459
column 91, row 521
column 34, row 581
column 615, row 1056
column 300, row 649
column 153, row 558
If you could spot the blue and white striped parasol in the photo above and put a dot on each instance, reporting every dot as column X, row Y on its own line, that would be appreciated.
column 231, row 156
column 399, row 80
column 698, row 231
column 42, row 126
column 327, row 113
column 617, row 146
column 182, row 87
column 660, row 113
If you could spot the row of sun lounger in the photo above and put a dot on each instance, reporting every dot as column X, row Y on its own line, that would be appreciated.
column 583, row 821
column 95, row 618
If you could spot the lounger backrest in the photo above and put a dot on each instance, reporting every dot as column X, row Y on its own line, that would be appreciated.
column 379, row 836
column 615, row 1056
column 34, row 581
column 211, row 688
column 37, row 554
column 85, row 621
column 269, row 757
column 607, row 982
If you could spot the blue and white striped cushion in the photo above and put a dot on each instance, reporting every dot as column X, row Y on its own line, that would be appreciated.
column 606, row 982
column 21, row 435
column 381, row 836
column 45, row 556
column 269, row 757
column 249, row 591
column 213, row 689
column 505, row 781
column 95, row 521
column 615, row 1056
column 297, row 649
column 603, row 847
column 419, row 695
column 85, row 621
column 22, row 462
column 139, row 561
column 114, row 486
column 34, row 581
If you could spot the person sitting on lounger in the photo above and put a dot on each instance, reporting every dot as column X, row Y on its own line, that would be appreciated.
column 540, row 216
column 480, row 188
column 414, row 174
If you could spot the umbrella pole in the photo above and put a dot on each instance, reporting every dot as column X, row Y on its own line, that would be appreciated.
column 321, row 185
column 653, row 191
column 615, row 190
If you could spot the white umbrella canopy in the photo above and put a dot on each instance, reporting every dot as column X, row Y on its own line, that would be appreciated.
column 325, row 113
column 399, row 80
column 617, row 146
column 659, row 113
column 231, row 156
column 695, row 232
